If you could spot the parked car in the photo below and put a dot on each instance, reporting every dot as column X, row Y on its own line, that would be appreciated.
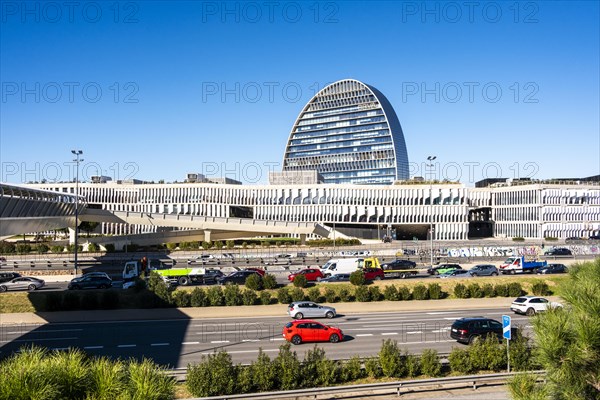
column 442, row 268
column 469, row 330
column 22, row 283
column 312, row 274
column 237, row 277
column 553, row 269
column 530, row 305
column 305, row 330
column 484, row 270
column 90, row 282
column 337, row 278
column 301, row 309
column 373, row 274
column 558, row 251
column 8, row 276
column 455, row 273
column 399, row 264
column 573, row 239
column 211, row 276
column 594, row 237
column 97, row 273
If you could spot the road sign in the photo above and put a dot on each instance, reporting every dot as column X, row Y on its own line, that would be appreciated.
column 506, row 327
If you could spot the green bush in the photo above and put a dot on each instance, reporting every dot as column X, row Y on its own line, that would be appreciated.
column 488, row 354
column 540, row 288
column 23, row 248
column 199, row 298
column 430, row 363
column 206, row 245
column 330, row 295
column 170, row 246
column 264, row 372
column 269, row 281
column 461, row 291
column 233, row 295
column 265, row 298
column 518, row 239
column 460, row 361
column 525, row 387
column 372, row 368
column 71, row 301
column 345, row 295
column 109, row 300
column 391, row 359
column 435, row 291
column 488, row 290
column 352, row 370
column 229, row 244
column 475, row 291
column 89, row 301
column 298, row 294
column 7, row 247
column 420, row 292
column 254, row 282
column 328, row 372
column 42, row 248
column 107, row 378
column 110, row 248
column 92, row 247
column 214, row 375
column 300, row 281
column 375, row 294
column 249, row 297
column 148, row 380
column 181, row 298
column 53, row 301
column 515, row 289
column 71, row 248
column 404, row 293
column 288, row 367
column 57, row 249
column 362, row 294
column 314, row 294
column 390, row 293
column 215, row 296
column 413, row 365
column 160, row 290
column 357, row 278
column 310, row 372
column 283, row 296
column 520, row 353
column 501, row 290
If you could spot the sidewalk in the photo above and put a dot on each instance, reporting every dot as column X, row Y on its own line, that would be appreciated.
column 275, row 310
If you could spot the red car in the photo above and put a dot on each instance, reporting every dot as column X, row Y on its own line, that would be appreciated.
column 306, row 330
column 373, row 274
column 260, row 271
column 312, row 275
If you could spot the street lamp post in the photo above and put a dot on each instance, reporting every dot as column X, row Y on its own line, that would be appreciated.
column 77, row 160
column 430, row 159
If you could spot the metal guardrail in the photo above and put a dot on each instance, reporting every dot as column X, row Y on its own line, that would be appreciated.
column 397, row 387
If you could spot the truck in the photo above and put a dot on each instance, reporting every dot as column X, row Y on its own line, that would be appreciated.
column 394, row 269
column 515, row 264
column 341, row 266
column 170, row 274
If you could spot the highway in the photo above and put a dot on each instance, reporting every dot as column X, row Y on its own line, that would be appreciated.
column 175, row 343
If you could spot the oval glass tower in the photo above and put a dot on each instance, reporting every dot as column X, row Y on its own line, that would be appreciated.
column 349, row 133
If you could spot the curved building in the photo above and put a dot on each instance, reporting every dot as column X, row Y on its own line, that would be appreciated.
column 349, row 133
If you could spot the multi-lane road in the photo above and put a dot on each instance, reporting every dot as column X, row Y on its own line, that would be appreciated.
column 176, row 343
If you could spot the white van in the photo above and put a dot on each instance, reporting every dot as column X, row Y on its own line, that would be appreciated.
column 341, row 266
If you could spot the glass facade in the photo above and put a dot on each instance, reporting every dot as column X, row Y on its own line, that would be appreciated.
column 349, row 133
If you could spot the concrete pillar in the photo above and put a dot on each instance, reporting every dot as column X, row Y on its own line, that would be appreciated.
column 71, row 236
column 303, row 239
column 207, row 236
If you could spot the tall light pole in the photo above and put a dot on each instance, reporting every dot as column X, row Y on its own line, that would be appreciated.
column 430, row 159
column 77, row 160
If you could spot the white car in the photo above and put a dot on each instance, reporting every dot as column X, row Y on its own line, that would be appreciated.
column 530, row 305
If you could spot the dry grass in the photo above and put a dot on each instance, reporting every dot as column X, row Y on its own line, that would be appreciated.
column 15, row 303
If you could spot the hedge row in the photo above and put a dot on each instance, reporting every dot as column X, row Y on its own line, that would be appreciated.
column 36, row 373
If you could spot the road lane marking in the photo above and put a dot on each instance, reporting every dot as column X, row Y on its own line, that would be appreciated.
column 278, row 339
column 159, row 344
column 442, row 312
column 220, row 341
column 251, row 340
column 42, row 331
column 365, row 334
column 126, row 345
column 414, row 332
column 93, row 347
column 389, row 333
column 184, row 343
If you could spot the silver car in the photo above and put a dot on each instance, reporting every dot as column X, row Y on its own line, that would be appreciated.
column 309, row 309
column 22, row 283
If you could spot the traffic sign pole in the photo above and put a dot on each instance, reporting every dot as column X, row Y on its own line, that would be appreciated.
column 506, row 333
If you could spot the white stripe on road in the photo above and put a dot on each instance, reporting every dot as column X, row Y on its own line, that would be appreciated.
column 389, row 333
column 220, row 341
column 365, row 334
column 159, row 344
column 184, row 343
column 126, row 345
column 93, row 347
column 278, row 339
column 442, row 312
column 251, row 340
column 414, row 332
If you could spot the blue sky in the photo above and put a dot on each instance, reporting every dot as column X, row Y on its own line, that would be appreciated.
column 153, row 90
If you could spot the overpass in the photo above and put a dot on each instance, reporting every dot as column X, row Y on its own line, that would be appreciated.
column 25, row 210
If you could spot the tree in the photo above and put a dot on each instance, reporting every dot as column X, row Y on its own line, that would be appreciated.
column 88, row 227
column 568, row 339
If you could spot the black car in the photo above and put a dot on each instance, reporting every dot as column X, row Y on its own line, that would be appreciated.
column 90, row 282
column 237, row 277
column 211, row 276
column 399, row 264
column 595, row 237
column 8, row 276
column 553, row 269
column 558, row 251
column 469, row 330
column 337, row 278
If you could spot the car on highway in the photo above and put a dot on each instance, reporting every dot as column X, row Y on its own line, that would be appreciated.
column 373, row 274
column 455, row 273
column 472, row 329
column 301, row 309
column 305, row 330
column 484, row 270
column 573, row 239
column 399, row 264
column 90, row 282
column 237, row 277
column 259, row 271
column 337, row 278
column 205, row 259
column 594, row 237
column 96, row 273
column 558, row 251
column 553, row 269
column 311, row 274
column 531, row 305
column 22, row 283
column 442, row 268
column 210, row 276
column 8, row 276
